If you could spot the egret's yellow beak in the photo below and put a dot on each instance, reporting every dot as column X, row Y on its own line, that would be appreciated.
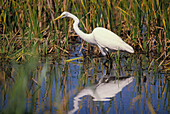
column 58, row 17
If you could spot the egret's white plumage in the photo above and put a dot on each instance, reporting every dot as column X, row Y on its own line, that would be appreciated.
column 105, row 39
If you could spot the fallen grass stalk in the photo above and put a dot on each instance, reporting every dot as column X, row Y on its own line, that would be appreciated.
column 77, row 58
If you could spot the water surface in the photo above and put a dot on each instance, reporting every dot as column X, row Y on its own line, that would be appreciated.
column 52, row 85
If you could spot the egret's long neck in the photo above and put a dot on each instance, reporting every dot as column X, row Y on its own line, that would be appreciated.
column 84, row 36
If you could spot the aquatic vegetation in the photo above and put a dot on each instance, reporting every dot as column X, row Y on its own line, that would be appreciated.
column 26, row 27
column 49, row 85
column 30, row 83
column 42, row 68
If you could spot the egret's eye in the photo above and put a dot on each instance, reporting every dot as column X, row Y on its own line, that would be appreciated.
column 64, row 16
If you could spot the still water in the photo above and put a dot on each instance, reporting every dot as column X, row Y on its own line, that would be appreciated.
column 133, row 84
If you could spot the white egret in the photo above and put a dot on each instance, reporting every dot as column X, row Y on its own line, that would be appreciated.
column 105, row 39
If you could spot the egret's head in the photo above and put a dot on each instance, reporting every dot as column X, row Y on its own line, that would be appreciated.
column 63, row 15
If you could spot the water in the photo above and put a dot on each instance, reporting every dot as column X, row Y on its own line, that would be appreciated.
column 48, row 85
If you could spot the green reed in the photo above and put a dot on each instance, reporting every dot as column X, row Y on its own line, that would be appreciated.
column 142, row 24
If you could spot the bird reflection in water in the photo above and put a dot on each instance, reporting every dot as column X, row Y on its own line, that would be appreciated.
column 107, row 88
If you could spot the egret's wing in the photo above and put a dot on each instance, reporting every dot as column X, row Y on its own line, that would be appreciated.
column 108, row 39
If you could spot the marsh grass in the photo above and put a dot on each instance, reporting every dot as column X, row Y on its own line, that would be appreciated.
column 27, row 29
column 142, row 24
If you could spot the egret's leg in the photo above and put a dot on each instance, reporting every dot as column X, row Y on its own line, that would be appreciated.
column 107, row 59
column 102, row 50
column 108, row 66
column 110, row 63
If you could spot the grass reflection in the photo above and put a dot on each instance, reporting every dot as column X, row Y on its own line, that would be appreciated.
column 49, row 86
